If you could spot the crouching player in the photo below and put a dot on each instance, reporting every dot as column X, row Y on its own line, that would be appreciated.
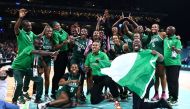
column 68, row 92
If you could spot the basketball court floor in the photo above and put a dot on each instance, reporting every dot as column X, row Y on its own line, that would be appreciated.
column 183, row 102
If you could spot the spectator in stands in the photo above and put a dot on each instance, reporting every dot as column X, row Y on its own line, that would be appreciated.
column 186, row 61
column 3, row 90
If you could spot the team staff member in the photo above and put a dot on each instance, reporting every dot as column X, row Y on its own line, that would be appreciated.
column 25, row 37
column 172, row 49
column 95, row 61
column 22, row 67
column 60, row 39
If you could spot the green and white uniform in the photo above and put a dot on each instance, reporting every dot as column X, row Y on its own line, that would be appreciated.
column 70, row 88
column 156, row 43
column 118, row 49
column 78, row 51
column 129, row 42
column 47, row 46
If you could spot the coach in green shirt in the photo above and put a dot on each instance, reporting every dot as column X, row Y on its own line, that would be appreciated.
column 60, row 39
column 172, row 49
column 22, row 66
column 95, row 61
column 25, row 38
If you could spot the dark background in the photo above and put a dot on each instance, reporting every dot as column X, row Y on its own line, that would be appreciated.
column 176, row 11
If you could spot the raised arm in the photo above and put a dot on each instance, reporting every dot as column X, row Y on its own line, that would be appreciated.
column 127, row 29
column 118, row 21
column 132, row 21
column 99, row 19
column 22, row 14
column 42, row 33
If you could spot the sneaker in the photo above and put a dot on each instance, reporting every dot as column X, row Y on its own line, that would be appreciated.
column 33, row 97
column 48, row 98
column 163, row 96
column 123, row 96
column 27, row 96
column 174, row 102
column 169, row 99
column 130, row 94
column 42, row 106
column 163, row 104
column 155, row 97
column 38, row 101
column 14, row 102
column 82, row 97
column 21, row 100
column 146, row 100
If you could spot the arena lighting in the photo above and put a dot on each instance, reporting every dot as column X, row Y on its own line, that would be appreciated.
column 1, row 18
column 13, row 21
column 120, row 25
column 17, row 3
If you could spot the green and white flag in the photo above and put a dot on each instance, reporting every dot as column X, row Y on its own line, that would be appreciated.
column 133, row 70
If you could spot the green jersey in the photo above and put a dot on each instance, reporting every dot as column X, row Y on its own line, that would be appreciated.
column 118, row 49
column 168, row 43
column 156, row 43
column 79, row 48
column 59, row 37
column 96, row 62
column 70, row 88
column 47, row 46
column 24, row 60
column 25, row 39
column 129, row 42
column 144, row 40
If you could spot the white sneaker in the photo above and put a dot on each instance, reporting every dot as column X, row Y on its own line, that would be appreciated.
column 48, row 98
column 42, row 106
column 33, row 97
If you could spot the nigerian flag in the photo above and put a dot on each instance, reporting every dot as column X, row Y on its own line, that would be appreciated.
column 133, row 70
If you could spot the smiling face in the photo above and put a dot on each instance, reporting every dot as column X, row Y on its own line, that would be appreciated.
column 27, row 26
column 74, row 31
column 57, row 26
column 116, row 40
column 74, row 69
column 95, row 47
column 170, row 30
column 96, row 35
column 48, row 32
column 136, row 45
column 83, row 33
column 114, row 30
column 155, row 28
